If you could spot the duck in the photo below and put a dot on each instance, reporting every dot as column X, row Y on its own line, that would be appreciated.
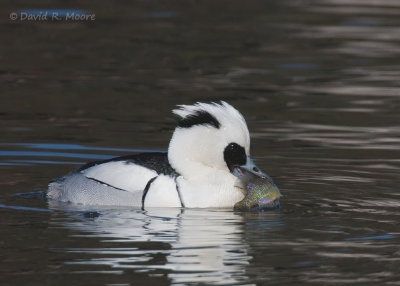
column 204, row 166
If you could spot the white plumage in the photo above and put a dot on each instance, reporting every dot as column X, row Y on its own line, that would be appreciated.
column 210, row 141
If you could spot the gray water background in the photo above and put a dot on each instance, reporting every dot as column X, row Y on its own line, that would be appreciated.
column 318, row 82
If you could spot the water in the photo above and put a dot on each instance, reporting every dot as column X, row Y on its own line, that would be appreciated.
column 318, row 82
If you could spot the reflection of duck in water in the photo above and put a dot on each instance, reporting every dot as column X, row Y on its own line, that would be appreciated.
column 200, row 246
column 208, row 153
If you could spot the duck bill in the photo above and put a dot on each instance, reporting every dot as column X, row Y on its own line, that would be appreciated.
column 249, row 172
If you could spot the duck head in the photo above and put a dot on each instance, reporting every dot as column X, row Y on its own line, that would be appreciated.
column 211, row 138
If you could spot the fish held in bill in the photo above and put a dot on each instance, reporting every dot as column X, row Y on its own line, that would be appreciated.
column 262, row 193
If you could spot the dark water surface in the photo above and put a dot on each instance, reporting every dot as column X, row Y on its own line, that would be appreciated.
column 318, row 82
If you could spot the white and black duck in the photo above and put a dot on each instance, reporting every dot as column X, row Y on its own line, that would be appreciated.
column 203, row 167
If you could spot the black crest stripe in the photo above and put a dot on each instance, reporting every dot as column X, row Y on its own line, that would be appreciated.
column 200, row 117
column 146, row 190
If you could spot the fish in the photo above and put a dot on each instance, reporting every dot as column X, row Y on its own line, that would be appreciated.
column 262, row 193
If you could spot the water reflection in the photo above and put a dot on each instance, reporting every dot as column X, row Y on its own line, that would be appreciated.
column 193, row 245
column 336, row 136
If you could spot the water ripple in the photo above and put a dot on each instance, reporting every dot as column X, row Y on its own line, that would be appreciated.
column 46, row 150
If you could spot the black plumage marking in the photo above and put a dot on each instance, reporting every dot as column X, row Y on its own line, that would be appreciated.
column 234, row 156
column 200, row 117
column 157, row 161
column 103, row 183
column 146, row 190
column 179, row 194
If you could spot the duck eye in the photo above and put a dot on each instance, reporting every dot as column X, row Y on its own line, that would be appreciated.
column 234, row 155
